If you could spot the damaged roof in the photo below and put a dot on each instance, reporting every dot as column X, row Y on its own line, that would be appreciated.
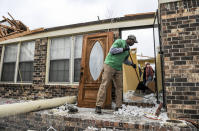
column 112, row 20
column 11, row 28
column 128, row 21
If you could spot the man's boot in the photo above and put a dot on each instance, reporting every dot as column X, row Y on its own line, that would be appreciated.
column 98, row 110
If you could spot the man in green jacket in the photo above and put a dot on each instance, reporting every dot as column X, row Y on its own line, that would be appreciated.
column 118, row 54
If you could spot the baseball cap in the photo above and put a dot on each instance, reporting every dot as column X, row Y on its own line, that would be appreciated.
column 133, row 38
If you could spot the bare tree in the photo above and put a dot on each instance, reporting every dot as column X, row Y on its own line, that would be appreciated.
column 110, row 13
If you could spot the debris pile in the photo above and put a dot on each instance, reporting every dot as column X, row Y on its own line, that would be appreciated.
column 11, row 28
column 131, row 96
column 91, row 128
column 66, row 108
column 141, row 112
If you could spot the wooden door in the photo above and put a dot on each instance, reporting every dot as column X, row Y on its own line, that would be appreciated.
column 95, row 48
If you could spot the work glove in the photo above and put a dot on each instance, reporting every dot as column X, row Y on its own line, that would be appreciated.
column 126, row 48
column 134, row 65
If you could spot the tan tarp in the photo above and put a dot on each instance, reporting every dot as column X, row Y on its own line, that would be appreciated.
column 130, row 80
column 159, row 75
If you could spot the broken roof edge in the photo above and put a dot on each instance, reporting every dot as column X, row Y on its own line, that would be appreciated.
column 138, row 20
column 24, row 33
column 140, row 14
column 111, row 20
column 136, row 16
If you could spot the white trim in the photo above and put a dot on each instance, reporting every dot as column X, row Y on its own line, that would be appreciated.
column 72, row 60
column 17, row 63
column 48, row 61
column 64, row 84
column 167, row 1
column 16, row 83
column 2, row 57
column 76, row 83
column 83, row 29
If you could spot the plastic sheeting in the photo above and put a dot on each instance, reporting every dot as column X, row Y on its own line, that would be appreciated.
column 27, row 51
column 78, row 46
column 60, row 48
column 11, row 53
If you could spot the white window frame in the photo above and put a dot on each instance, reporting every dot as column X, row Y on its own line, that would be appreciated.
column 16, row 66
column 71, row 66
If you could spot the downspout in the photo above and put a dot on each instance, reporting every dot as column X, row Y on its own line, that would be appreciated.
column 162, row 61
column 157, row 95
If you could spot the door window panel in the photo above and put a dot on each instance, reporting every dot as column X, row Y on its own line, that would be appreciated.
column 96, row 60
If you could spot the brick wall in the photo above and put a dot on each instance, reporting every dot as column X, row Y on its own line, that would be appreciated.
column 19, row 91
column 39, row 64
column 38, row 89
column 180, row 39
column 42, row 122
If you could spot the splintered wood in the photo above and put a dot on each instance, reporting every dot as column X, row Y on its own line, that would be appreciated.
column 11, row 28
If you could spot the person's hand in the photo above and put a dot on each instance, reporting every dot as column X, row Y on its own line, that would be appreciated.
column 126, row 48
column 134, row 65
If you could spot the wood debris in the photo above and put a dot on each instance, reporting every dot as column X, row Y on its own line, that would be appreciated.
column 157, row 113
column 11, row 28
column 195, row 123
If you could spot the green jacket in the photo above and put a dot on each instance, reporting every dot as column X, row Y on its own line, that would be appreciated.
column 116, row 60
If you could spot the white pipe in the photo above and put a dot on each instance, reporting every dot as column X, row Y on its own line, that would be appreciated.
column 18, row 108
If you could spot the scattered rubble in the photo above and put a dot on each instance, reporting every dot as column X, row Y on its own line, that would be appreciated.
column 131, row 96
column 10, row 101
column 90, row 128
column 175, row 123
column 68, row 108
column 128, row 114
column 135, row 111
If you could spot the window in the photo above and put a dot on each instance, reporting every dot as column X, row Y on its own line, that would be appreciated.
column 77, row 57
column 65, row 59
column 9, row 62
column 60, row 59
column 18, row 62
column 26, row 59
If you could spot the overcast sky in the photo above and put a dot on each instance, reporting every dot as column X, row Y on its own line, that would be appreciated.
column 52, row 13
